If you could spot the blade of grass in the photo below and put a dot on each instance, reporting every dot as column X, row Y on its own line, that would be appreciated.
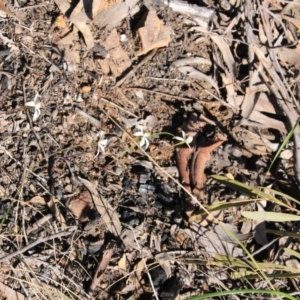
column 285, row 141
column 251, row 275
column 225, row 205
column 241, row 292
column 269, row 216
column 249, row 190
column 283, row 195
column 292, row 252
column 229, row 261
column 283, row 233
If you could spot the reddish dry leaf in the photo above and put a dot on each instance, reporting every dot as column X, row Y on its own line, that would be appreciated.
column 118, row 60
column 201, row 157
column 154, row 34
column 81, row 205
column 192, row 161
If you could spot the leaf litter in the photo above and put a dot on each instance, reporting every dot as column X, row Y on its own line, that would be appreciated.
column 96, row 190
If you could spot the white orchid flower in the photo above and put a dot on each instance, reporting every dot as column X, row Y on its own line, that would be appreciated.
column 184, row 139
column 36, row 105
column 102, row 143
column 144, row 142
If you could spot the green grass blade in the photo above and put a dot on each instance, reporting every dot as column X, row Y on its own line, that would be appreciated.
column 220, row 205
column 283, row 195
column 243, row 188
column 251, row 275
column 292, row 252
column 270, row 216
column 283, row 233
column 241, row 292
column 285, row 141
column 251, row 191
column 229, row 261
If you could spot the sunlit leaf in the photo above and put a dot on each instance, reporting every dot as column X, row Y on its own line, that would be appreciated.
column 270, row 216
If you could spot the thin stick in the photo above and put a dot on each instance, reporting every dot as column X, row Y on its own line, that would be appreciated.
column 106, row 257
column 123, row 96
column 135, row 68
column 38, row 241
column 119, row 107
column 144, row 261
column 159, row 93
column 20, row 281
column 88, row 117
column 168, row 79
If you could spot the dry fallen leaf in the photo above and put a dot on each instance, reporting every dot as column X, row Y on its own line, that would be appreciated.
column 108, row 215
column 290, row 55
column 113, row 15
column 228, row 83
column 194, row 73
column 255, row 105
column 118, row 59
column 106, row 258
column 79, row 20
column 6, row 10
column 81, row 205
column 253, row 143
column 104, row 4
column 37, row 200
column 154, row 34
column 60, row 22
column 8, row 293
column 226, row 53
column 122, row 264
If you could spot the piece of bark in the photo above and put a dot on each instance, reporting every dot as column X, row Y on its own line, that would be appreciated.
column 118, row 59
column 202, row 15
column 79, row 20
column 154, row 34
column 112, row 16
